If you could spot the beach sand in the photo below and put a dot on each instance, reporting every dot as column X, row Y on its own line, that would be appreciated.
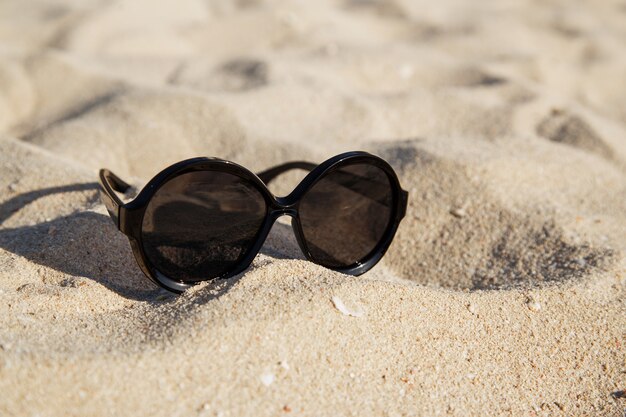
column 502, row 294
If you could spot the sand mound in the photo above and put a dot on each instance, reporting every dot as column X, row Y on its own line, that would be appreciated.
column 464, row 235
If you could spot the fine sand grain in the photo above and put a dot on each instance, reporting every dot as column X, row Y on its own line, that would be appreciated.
column 503, row 293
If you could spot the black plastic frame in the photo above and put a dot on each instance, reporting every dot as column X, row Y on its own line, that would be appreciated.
column 128, row 217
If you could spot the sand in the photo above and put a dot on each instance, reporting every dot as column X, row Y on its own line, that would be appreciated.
column 503, row 293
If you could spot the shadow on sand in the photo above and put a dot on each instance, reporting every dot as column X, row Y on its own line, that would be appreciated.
column 87, row 244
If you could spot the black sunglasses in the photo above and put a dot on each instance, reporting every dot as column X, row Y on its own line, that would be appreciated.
column 207, row 218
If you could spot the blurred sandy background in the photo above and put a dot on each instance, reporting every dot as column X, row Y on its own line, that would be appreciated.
column 503, row 293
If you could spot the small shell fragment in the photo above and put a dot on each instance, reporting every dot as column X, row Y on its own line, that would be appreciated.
column 283, row 364
column 339, row 305
column 267, row 379
column 471, row 308
column 458, row 212
column 532, row 304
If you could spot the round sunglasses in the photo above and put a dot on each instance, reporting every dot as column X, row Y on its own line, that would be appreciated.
column 207, row 218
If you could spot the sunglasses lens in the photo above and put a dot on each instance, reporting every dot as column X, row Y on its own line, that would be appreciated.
column 200, row 225
column 346, row 214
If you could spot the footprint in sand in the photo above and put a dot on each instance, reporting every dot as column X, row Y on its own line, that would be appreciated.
column 572, row 130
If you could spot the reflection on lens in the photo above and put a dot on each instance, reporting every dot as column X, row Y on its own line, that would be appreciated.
column 346, row 214
column 199, row 225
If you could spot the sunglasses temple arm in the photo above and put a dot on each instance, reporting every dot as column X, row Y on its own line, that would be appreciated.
column 268, row 175
column 109, row 185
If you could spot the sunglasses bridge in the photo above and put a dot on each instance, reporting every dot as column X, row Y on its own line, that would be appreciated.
column 283, row 211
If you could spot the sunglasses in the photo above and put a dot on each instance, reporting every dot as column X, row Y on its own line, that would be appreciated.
column 207, row 218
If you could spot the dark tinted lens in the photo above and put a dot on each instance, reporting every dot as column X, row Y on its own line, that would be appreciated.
column 200, row 225
column 346, row 214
